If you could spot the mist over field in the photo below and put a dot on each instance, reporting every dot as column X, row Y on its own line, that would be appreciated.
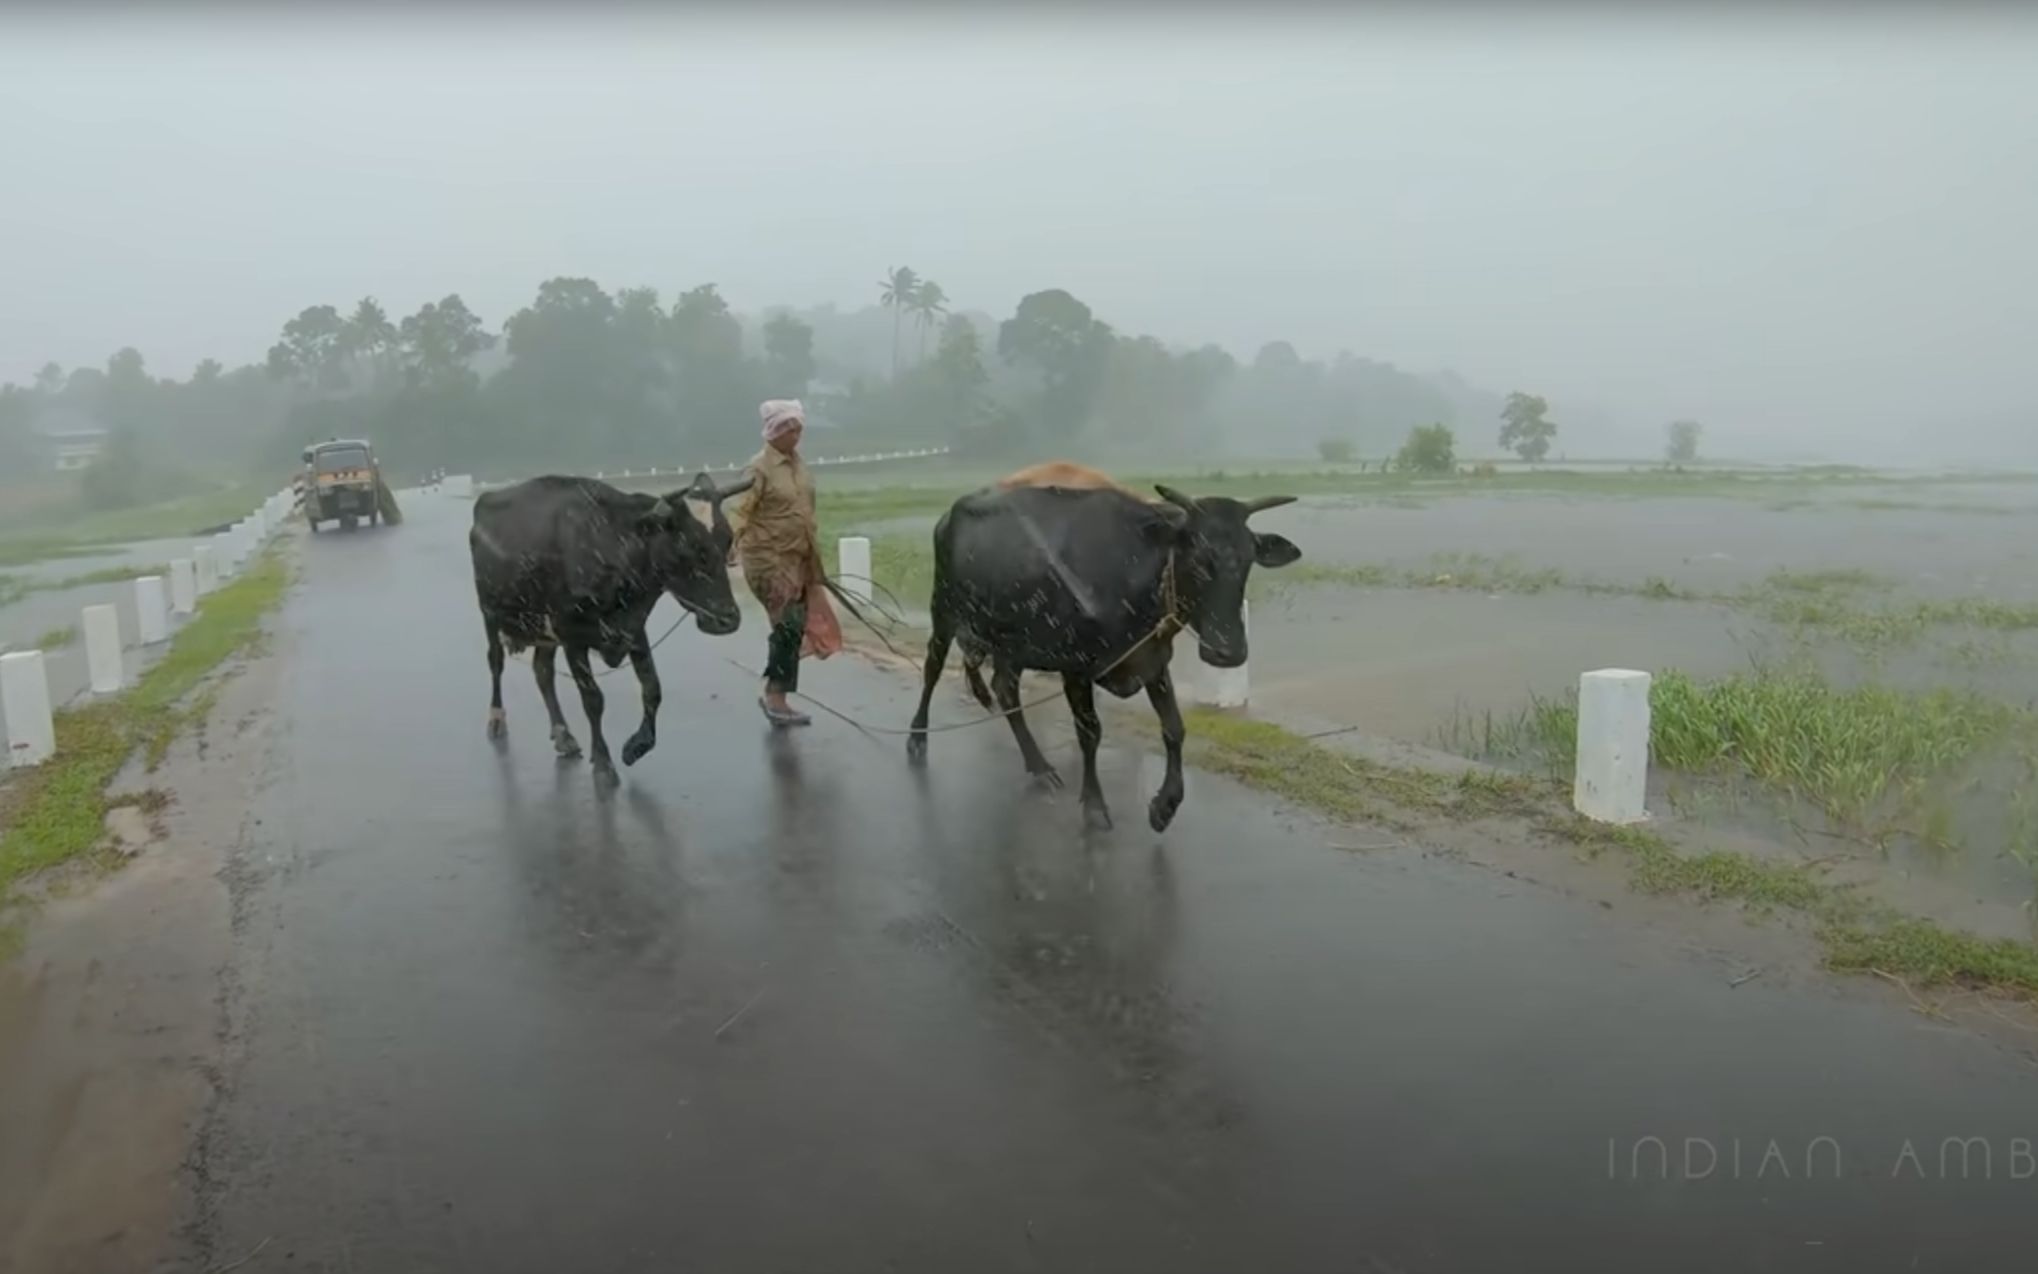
column 1265, row 237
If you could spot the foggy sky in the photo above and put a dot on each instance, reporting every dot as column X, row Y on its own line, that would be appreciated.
column 1803, row 230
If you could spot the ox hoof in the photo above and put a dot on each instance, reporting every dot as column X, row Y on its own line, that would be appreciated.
column 916, row 747
column 1095, row 817
column 498, row 725
column 565, row 745
column 1161, row 811
column 634, row 749
column 1047, row 777
column 605, row 773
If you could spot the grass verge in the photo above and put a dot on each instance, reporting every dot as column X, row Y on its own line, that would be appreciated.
column 78, row 535
column 57, row 811
column 1273, row 759
column 1847, row 751
column 1854, row 935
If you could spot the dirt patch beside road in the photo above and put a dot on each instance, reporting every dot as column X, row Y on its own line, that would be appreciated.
column 110, row 1018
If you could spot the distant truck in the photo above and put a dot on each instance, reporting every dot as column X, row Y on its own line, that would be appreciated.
column 343, row 483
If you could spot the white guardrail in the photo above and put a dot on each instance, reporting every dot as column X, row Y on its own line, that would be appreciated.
column 160, row 606
column 868, row 457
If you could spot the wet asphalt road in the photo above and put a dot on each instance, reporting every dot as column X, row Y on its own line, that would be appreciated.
column 780, row 1003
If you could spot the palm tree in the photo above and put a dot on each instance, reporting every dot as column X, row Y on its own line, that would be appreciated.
column 897, row 290
column 929, row 303
column 369, row 334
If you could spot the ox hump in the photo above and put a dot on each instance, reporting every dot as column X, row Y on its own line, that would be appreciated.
column 1068, row 475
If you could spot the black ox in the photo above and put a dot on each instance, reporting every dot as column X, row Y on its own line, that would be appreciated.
column 575, row 563
column 1092, row 582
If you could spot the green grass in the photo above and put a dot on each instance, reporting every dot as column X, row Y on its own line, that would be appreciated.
column 1922, row 952
column 109, row 575
column 1847, row 751
column 1656, row 867
column 1269, row 757
column 57, row 638
column 78, row 534
column 22, row 550
column 1470, row 572
column 1543, row 733
column 13, row 588
column 57, row 810
column 1306, row 573
column 1836, row 579
column 1844, row 749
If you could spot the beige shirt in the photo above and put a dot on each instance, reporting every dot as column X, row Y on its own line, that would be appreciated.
column 777, row 539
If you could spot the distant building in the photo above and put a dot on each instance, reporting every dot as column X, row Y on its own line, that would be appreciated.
column 69, row 438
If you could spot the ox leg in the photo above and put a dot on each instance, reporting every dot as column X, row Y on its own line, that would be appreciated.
column 937, row 655
column 646, row 737
column 1160, row 691
column 1005, row 685
column 545, row 667
column 497, row 723
column 591, row 702
column 1082, row 697
column 972, row 672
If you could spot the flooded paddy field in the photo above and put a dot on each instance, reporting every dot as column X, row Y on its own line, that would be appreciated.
column 1846, row 669
column 1851, row 684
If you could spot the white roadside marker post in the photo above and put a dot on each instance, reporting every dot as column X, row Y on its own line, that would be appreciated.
column 183, row 586
column 853, row 566
column 1613, row 746
column 25, row 697
column 102, row 649
column 152, row 610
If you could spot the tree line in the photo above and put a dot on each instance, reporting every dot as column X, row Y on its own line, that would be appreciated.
column 584, row 378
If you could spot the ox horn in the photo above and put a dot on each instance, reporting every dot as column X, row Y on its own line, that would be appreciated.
column 738, row 489
column 1265, row 502
column 1174, row 497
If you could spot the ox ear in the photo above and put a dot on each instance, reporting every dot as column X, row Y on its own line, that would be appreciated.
column 1185, row 503
column 1274, row 550
column 659, row 517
